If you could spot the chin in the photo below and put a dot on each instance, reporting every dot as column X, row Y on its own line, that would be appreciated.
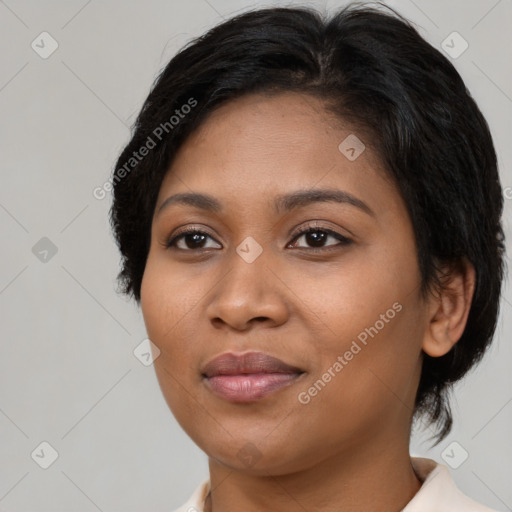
column 268, row 458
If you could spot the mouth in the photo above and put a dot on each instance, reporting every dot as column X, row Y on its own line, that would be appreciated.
column 248, row 377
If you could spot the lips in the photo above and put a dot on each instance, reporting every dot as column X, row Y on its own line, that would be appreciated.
column 248, row 377
column 250, row 362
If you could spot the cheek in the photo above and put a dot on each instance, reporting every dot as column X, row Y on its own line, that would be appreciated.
column 360, row 293
column 166, row 300
column 369, row 332
column 361, row 386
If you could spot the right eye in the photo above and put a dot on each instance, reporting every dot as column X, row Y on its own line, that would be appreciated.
column 193, row 238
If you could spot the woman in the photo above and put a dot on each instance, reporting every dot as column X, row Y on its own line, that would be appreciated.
column 309, row 215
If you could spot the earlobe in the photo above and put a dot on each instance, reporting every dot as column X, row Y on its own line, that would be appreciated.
column 449, row 310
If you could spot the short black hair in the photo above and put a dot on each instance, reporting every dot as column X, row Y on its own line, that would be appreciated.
column 372, row 69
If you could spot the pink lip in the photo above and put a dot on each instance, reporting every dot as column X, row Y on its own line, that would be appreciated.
column 248, row 377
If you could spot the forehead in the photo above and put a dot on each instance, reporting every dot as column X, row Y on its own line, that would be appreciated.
column 259, row 146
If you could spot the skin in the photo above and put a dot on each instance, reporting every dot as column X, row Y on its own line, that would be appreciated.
column 349, row 444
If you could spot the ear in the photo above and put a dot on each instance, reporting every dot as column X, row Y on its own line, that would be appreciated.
column 449, row 309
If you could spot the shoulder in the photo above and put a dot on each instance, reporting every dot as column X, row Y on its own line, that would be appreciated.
column 438, row 492
column 196, row 501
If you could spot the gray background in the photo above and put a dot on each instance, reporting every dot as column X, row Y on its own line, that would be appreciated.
column 68, row 375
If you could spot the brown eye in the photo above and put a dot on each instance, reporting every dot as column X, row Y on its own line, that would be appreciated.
column 317, row 237
column 193, row 239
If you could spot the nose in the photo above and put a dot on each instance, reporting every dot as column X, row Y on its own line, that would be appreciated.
column 248, row 294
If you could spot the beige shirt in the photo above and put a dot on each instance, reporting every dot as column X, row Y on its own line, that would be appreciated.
column 438, row 492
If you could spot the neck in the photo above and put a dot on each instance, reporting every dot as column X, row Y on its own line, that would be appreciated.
column 371, row 479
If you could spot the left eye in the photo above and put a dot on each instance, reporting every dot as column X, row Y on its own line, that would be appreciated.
column 317, row 237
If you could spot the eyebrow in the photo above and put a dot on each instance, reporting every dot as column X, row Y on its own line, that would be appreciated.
column 282, row 203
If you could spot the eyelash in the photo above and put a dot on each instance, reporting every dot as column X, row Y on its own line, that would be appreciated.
column 309, row 229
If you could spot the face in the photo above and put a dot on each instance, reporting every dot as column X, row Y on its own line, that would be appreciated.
column 339, row 306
